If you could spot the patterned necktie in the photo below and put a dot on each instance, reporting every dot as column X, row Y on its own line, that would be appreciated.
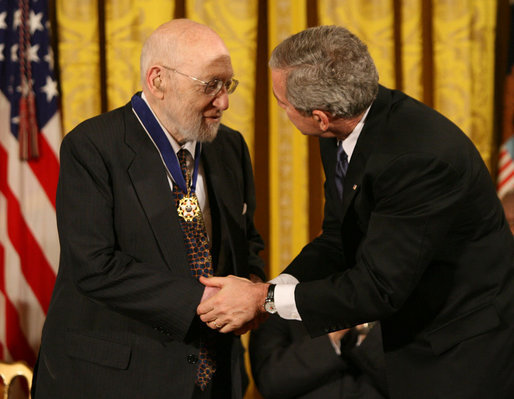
column 341, row 168
column 200, row 262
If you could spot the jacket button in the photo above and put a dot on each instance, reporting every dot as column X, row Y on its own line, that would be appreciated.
column 192, row 359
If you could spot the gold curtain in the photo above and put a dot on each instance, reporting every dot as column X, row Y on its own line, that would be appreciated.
column 464, row 40
column 439, row 51
column 287, row 151
column 236, row 22
column 99, row 43
column 127, row 24
column 372, row 21
column 79, row 59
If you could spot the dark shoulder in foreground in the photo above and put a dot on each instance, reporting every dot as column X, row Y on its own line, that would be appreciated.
column 111, row 121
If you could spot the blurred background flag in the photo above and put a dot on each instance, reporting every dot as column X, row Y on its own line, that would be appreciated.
column 505, row 181
column 30, row 135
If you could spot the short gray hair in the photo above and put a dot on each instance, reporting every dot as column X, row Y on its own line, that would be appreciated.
column 329, row 69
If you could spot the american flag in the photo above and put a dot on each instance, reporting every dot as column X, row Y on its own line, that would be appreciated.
column 505, row 182
column 30, row 135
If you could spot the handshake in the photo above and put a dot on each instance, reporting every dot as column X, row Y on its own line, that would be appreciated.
column 233, row 304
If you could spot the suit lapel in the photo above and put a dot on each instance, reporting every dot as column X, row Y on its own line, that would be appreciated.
column 148, row 176
column 368, row 138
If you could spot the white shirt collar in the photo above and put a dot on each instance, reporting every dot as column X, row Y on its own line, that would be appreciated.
column 351, row 141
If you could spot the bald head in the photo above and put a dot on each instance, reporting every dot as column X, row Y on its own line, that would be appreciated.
column 179, row 60
column 179, row 42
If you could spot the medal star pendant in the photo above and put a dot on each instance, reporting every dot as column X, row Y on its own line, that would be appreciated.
column 188, row 208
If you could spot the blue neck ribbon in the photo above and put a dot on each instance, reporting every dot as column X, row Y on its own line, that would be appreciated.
column 155, row 130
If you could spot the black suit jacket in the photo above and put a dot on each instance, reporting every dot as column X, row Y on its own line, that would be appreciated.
column 287, row 363
column 425, row 248
column 122, row 320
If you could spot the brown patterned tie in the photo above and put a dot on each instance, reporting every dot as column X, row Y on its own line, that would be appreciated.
column 200, row 262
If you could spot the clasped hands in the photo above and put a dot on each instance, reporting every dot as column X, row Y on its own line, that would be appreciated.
column 232, row 304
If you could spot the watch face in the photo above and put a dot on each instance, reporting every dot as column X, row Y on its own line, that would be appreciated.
column 270, row 307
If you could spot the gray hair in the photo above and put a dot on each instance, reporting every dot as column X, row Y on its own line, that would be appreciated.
column 329, row 69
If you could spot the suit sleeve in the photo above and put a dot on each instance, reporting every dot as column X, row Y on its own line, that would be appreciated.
column 416, row 197
column 103, row 272
column 286, row 365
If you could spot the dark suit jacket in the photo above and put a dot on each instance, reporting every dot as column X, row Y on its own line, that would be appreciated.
column 287, row 363
column 426, row 249
column 122, row 320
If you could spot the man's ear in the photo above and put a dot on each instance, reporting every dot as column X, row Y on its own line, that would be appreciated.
column 154, row 81
column 322, row 118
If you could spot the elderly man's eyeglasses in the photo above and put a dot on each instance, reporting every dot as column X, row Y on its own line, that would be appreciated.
column 212, row 87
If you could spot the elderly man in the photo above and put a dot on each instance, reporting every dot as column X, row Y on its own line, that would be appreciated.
column 151, row 196
column 413, row 232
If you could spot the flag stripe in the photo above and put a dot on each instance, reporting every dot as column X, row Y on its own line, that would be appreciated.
column 29, row 242
column 46, row 169
column 503, row 154
column 18, row 291
column 505, row 169
column 505, row 175
column 38, row 211
column 505, row 180
column 53, row 136
column 15, row 340
column 35, row 267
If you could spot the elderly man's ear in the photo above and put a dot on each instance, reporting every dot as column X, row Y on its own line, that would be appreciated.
column 154, row 82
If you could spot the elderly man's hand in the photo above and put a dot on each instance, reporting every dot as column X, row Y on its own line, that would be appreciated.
column 237, row 306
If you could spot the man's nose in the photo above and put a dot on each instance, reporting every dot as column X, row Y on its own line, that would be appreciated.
column 221, row 99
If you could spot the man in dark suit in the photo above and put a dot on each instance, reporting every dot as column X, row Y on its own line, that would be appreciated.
column 288, row 364
column 132, row 215
column 425, row 246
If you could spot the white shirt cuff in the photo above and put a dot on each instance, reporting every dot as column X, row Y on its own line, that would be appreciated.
column 284, row 296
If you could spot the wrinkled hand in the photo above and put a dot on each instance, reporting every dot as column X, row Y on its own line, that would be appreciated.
column 209, row 292
column 237, row 305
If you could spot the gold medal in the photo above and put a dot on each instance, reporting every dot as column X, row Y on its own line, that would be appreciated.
column 188, row 208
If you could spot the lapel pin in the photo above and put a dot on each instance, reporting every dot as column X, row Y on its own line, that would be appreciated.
column 354, row 187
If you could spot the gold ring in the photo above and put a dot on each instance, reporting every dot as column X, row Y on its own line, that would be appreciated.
column 217, row 325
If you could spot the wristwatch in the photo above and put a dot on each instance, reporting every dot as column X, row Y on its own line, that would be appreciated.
column 269, row 303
